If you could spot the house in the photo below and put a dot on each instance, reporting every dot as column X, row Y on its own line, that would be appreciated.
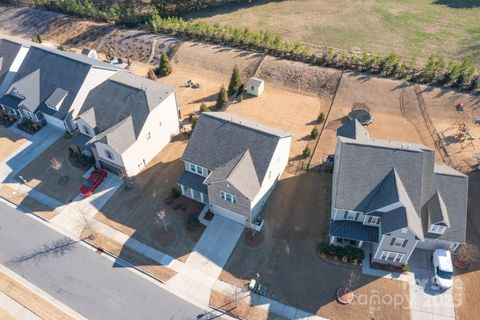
column 125, row 121
column 255, row 86
column 232, row 165
column 48, row 86
column 11, row 57
column 391, row 197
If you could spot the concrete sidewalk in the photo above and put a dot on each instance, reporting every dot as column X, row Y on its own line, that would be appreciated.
column 15, row 309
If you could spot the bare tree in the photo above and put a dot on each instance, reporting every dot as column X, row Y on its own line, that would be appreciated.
column 161, row 218
column 57, row 165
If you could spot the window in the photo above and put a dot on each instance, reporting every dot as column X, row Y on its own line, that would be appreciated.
column 398, row 242
column 228, row 197
column 109, row 154
column 149, row 136
column 392, row 256
column 350, row 215
column 196, row 169
column 253, row 88
column 372, row 220
column 437, row 229
column 85, row 130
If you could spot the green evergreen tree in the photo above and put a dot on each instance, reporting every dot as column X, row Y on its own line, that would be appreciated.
column 204, row 108
column 235, row 82
column 164, row 68
column 221, row 98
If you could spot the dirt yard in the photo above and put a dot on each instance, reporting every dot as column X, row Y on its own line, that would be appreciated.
column 32, row 301
column 9, row 142
column 382, row 98
column 285, row 109
column 297, row 217
column 134, row 212
column 41, row 177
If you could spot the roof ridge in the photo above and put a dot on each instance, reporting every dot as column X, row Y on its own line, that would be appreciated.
column 244, row 154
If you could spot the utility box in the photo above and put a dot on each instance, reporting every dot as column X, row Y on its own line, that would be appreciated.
column 255, row 86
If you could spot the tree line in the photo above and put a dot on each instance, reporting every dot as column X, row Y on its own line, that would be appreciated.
column 437, row 70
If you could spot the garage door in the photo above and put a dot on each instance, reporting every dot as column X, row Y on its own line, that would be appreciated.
column 229, row 214
column 114, row 169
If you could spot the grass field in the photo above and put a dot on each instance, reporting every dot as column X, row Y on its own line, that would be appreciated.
column 413, row 28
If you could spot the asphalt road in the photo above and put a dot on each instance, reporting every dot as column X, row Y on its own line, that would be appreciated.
column 90, row 284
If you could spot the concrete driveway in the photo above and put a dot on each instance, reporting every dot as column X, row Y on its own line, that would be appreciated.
column 427, row 301
column 209, row 256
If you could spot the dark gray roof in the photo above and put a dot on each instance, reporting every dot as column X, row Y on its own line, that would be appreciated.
column 352, row 129
column 118, row 108
column 10, row 101
column 8, row 53
column 44, row 71
column 374, row 173
column 194, row 181
column 220, row 137
column 353, row 230
column 239, row 172
column 81, row 140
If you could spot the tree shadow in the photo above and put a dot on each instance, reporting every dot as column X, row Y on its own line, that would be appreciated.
column 226, row 8
column 458, row 4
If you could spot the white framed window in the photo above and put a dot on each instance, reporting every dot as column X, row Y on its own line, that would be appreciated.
column 392, row 256
column 149, row 136
column 350, row 215
column 109, row 154
column 196, row 169
column 398, row 242
column 372, row 220
column 435, row 228
column 228, row 197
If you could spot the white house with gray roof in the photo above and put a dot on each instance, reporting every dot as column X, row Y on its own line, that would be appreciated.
column 393, row 197
column 232, row 165
column 125, row 121
column 45, row 85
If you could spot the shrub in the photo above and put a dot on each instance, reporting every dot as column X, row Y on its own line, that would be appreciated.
column 306, row 152
column 344, row 259
column 346, row 254
column 67, row 135
column 175, row 193
column 321, row 117
column 221, row 98
column 194, row 121
column 404, row 268
column 314, row 133
column 164, row 68
column 235, row 82
column 151, row 75
column 204, row 108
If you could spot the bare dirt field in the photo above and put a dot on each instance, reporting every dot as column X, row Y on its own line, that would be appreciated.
column 382, row 98
column 297, row 218
column 9, row 142
column 41, row 177
column 217, row 58
column 25, row 22
column 134, row 212
column 441, row 105
column 286, row 109
column 35, row 303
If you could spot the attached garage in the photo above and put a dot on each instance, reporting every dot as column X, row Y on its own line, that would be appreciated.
column 112, row 168
column 228, row 214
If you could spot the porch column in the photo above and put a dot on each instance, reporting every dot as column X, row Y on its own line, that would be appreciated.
column 183, row 189
column 192, row 194
column 201, row 197
column 360, row 244
column 332, row 239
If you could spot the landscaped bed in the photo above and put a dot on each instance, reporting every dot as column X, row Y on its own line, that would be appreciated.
column 346, row 255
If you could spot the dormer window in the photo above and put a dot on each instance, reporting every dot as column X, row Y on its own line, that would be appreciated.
column 439, row 229
column 372, row 220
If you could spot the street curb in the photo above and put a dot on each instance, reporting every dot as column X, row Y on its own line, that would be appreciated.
column 64, row 308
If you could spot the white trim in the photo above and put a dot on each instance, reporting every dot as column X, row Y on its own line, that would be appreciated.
column 398, row 256
column 400, row 244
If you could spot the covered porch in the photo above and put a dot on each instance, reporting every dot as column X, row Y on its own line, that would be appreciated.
column 351, row 233
column 192, row 187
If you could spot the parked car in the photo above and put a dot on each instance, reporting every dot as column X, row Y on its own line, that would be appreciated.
column 443, row 268
column 95, row 179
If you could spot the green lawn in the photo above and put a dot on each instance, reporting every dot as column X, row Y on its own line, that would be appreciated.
column 412, row 28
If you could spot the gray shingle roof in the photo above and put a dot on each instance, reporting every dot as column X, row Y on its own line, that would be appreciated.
column 374, row 173
column 8, row 53
column 353, row 130
column 42, row 72
column 119, row 107
column 194, row 181
column 239, row 172
column 10, row 101
column 353, row 230
column 220, row 137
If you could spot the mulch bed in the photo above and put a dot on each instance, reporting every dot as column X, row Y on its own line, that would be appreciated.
column 254, row 241
column 162, row 237
column 344, row 295
column 460, row 263
column 331, row 259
